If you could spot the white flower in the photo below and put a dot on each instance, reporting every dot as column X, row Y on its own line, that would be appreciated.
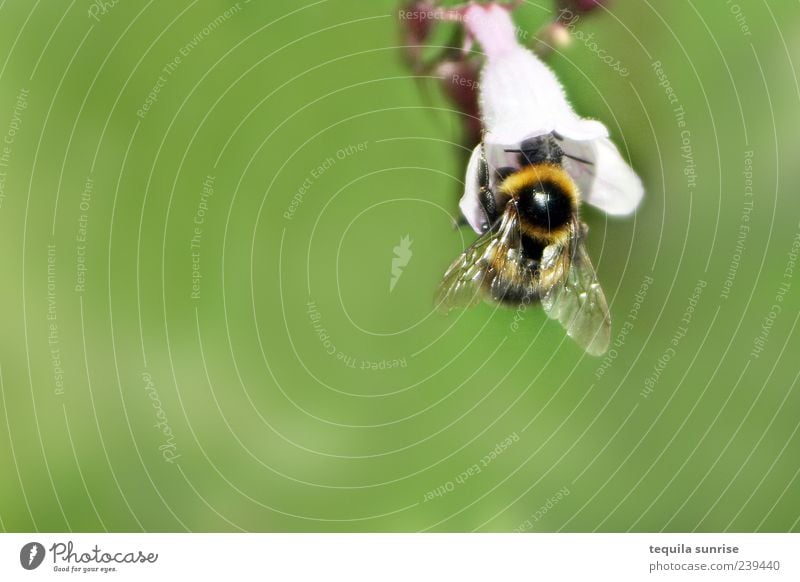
column 520, row 99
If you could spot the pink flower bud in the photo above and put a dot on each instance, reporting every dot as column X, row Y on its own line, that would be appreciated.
column 555, row 36
column 580, row 6
column 417, row 19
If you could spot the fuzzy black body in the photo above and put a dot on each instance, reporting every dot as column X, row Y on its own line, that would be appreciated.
column 542, row 200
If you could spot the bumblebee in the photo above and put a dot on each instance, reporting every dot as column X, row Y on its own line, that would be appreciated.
column 533, row 245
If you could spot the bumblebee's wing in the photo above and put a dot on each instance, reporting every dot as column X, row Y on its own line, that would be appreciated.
column 578, row 302
column 462, row 282
column 499, row 249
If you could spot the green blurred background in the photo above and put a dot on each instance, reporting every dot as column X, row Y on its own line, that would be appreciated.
column 199, row 329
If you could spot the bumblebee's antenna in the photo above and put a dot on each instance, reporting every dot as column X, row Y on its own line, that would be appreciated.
column 577, row 159
column 566, row 155
column 560, row 137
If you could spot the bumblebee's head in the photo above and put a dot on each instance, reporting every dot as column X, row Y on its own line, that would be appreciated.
column 539, row 150
column 546, row 199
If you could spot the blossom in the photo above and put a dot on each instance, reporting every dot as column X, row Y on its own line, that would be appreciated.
column 521, row 98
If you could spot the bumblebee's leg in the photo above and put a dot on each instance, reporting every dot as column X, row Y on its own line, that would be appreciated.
column 485, row 194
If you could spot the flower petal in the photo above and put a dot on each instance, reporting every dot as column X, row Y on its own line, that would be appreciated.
column 520, row 96
column 607, row 182
column 470, row 203
column 492, row 26
column 579, row 129
column 498, row 160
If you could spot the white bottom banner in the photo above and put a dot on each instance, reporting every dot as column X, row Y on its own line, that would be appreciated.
column 396, row 557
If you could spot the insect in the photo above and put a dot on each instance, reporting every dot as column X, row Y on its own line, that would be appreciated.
column 532, row 248
column 525, row 181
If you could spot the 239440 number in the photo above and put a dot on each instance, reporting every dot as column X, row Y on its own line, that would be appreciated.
column 747, row 565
